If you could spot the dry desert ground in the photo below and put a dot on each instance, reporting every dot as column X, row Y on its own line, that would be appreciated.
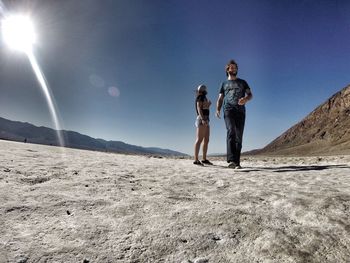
column 68, row 205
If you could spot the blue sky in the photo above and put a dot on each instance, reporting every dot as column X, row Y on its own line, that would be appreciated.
column 127, row 70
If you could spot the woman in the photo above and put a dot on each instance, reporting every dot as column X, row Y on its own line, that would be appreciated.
column 202, row 123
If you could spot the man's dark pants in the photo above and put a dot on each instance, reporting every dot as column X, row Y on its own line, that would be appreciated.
column 234, row 120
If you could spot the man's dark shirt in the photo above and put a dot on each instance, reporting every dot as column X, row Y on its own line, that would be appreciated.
column 233, row 90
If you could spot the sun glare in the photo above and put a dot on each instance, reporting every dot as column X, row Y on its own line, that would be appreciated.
column 18, row 32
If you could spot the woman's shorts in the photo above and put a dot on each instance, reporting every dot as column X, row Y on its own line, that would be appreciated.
column 198, row 121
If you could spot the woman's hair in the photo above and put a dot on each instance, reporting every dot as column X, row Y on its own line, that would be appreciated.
column 231, row 62
column 201, row 89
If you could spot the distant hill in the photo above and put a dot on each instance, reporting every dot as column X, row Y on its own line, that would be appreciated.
column 326, row 130
column 26, row 132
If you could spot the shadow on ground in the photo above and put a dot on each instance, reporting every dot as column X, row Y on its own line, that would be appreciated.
column 296, row 168
column 289, row 168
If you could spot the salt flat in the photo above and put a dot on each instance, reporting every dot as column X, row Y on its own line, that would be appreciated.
column 67, row 205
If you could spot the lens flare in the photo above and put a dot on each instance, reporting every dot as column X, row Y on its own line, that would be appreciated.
column 49, row 98
column 18, row 32
column 114, row 91
column 96, row 81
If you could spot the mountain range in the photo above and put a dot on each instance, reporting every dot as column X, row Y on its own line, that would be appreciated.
column 325, row 131
column 26, row 132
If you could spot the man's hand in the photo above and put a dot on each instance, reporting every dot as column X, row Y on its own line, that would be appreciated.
column 242, row 101
column 218, row 114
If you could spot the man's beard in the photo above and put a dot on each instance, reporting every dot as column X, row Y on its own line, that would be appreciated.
column 233, row 74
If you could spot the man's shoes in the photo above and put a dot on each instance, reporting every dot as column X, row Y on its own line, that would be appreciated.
column 197, row 163
column 233, row 165
column 207, row 162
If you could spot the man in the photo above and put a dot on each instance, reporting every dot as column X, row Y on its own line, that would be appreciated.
column 233, row 95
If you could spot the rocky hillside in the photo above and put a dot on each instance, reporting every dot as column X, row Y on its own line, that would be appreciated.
column 326, row 130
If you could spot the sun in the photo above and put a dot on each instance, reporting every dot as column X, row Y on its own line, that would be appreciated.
column 18, row 32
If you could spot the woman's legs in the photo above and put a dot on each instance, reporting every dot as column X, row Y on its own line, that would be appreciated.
column 200, row 135
column 206, row 141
